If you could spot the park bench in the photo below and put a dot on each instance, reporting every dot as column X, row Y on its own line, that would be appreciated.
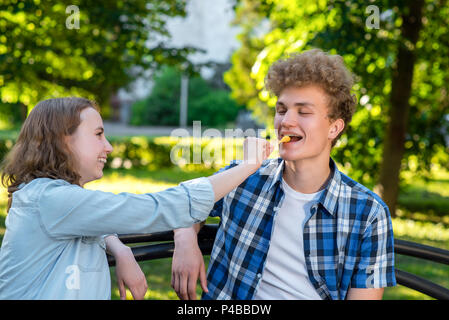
column 163, row 246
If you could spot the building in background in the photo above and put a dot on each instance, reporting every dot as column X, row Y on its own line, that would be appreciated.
column 207, row 26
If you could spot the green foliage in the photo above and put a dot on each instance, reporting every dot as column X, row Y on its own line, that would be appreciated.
column 339, row 27
column 6, row 143
column 213, row 107
column 40, row 57
column 10, row 115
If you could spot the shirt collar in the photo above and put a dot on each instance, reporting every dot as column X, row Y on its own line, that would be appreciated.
column 329, row 198
column 274, row 170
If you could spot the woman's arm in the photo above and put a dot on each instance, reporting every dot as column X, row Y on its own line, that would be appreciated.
column 255, row 150
column 68, row 211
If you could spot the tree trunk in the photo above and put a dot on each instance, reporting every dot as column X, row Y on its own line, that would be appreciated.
column 402, row 79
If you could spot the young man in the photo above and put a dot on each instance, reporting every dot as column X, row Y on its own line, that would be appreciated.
column 298, row 228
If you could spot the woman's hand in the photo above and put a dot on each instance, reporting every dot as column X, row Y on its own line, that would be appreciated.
column 130, row 275
column 127, row 269
column 256, row 150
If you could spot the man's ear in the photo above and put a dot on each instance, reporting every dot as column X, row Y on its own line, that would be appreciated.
column 336, row 127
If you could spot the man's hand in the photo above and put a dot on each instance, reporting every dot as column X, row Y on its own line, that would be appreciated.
column 187, row 264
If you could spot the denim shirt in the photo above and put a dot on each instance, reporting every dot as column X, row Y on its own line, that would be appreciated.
column 54, row 247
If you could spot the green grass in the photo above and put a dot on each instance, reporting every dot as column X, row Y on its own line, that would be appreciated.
column 409, row 225
column 9, row 134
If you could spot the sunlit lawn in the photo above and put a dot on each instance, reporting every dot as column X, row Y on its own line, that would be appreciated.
column 158, row 272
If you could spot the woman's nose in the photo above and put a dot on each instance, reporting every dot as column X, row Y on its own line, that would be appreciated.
column 108, row 147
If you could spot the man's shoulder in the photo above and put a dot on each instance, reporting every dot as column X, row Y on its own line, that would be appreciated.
column 269, row 166
column 357, row 191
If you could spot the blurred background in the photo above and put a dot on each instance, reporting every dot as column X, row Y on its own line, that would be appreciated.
column 154, row 66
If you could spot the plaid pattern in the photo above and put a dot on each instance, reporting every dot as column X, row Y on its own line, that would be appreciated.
column 348, row 236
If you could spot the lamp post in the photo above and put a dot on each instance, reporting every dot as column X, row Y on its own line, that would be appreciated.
column 183, row 100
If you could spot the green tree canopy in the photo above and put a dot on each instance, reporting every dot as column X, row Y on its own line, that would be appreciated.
column 45, row 51
column 402, row 70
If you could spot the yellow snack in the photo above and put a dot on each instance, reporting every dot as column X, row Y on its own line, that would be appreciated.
column 285, row 139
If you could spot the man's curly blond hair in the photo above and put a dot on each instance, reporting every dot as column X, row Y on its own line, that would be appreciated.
column 319, row 68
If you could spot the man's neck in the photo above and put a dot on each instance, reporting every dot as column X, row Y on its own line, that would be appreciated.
column 307, row 176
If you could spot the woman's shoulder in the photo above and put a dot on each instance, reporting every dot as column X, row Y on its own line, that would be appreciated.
column 42, row 182
column 29, row 193
column 36, row 186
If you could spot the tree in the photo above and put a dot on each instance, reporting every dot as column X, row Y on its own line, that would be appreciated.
column 212, row 106
column 54, row 48
column 401, row 68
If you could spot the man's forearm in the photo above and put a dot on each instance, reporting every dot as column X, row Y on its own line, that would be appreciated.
column 191, row 231
column 365, row 294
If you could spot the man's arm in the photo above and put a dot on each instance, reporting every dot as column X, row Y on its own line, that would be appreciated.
column 188, row 263
column 375, row 269
column 365, row 294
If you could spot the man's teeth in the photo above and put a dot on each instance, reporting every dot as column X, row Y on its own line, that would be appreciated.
column 102, row 160
column 293, row 138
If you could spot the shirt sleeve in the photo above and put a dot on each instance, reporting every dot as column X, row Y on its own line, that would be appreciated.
column 67, row 210
column 217, row 210
column 375, row 267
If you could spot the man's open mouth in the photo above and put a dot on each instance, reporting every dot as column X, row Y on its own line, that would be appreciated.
column 294, row 138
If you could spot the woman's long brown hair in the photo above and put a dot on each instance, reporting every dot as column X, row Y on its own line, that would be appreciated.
column 40, row 150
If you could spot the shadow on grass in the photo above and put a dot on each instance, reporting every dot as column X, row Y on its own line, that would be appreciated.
column 425, row 201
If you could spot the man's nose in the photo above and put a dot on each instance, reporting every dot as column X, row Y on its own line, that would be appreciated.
column 289, row 119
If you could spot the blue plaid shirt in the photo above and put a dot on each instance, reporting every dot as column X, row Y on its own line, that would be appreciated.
column 348, row 236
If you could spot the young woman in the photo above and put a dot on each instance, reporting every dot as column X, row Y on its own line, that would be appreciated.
column 54, row 244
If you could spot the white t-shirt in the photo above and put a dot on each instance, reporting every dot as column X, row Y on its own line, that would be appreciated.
column 285, row 274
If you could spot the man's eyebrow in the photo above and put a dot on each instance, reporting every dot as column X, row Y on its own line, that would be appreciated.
column 297, row 104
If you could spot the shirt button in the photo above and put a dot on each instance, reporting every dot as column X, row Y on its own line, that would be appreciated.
column 259, row 275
